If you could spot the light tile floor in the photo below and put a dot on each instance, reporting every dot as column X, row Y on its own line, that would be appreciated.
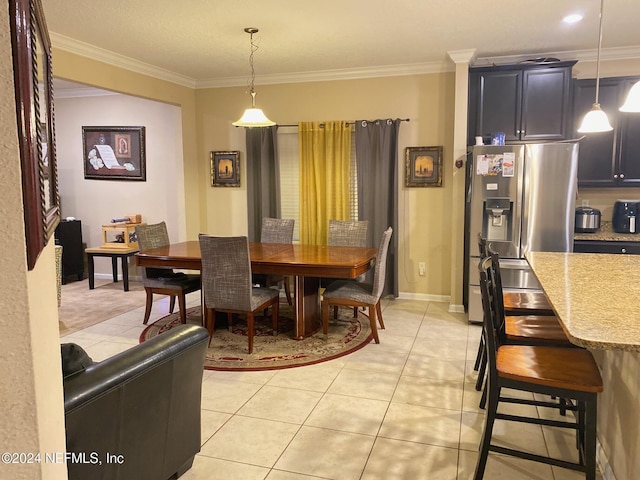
column 403, row 409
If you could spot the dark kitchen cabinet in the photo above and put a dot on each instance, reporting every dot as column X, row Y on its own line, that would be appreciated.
column 69, row 235
column 607, row 159
column 529, row 103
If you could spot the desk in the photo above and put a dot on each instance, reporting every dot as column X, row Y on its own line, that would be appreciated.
column 114, row 253
column 595, row 296
column 305, row 263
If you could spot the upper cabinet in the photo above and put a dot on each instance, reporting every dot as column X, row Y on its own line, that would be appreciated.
column 607, row 159
column 527, row 102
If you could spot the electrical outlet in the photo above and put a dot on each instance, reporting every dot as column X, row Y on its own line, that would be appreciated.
column 422, row 268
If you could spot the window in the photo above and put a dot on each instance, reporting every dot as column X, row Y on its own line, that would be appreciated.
column 288, row 158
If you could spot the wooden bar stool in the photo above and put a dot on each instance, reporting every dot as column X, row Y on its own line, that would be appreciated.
column 542, row 330
column 519, row 303
column 562, row 372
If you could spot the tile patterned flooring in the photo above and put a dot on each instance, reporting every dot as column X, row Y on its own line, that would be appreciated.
column 403, row 409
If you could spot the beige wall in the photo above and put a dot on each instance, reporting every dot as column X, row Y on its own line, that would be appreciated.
column 425, row 213
column 96, row 202
column 32, row 419
column 83, row 70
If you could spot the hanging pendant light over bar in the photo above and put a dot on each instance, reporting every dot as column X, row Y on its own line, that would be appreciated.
column 253, row 117
column 596, row 120
column 632, row 104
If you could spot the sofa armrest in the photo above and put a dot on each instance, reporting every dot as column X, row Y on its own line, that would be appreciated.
column 141, row 406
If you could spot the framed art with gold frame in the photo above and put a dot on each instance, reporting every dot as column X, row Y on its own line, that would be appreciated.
column 31, row 47
column 423, row 166
column 225, row 169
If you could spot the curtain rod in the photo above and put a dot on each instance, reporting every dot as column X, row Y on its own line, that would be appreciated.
column 348, row 123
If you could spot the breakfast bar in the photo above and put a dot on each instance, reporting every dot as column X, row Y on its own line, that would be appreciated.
column 594, row 296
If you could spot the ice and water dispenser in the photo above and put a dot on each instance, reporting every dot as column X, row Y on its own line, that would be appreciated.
column 497, row 219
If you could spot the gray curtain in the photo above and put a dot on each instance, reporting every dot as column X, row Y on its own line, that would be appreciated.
column 263, row 178
column 377, row 163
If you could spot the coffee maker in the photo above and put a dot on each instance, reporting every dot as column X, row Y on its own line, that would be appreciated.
column 625, row 216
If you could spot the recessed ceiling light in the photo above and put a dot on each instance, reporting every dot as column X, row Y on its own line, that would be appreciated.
column 573, row 18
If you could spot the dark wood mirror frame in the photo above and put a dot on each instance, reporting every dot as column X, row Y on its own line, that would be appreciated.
column 34, row 107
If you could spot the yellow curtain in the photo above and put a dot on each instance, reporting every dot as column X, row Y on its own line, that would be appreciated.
column 325, row 172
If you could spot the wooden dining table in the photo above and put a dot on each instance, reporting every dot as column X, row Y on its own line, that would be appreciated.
column 305, row 263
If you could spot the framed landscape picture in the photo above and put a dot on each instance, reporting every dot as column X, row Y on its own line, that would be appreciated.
column 423, row 166
column 225, row 169
column 114, row 153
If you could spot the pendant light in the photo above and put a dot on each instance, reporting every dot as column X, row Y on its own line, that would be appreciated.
column 596, row 120
column 253, row 117
column 632, row 104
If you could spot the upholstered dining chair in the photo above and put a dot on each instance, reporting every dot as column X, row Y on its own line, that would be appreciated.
column 163, row 281
column 226, row 281
column 347, row 233
column 276, row 230
column 357, row 294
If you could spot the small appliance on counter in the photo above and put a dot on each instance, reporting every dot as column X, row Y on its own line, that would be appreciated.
column 587, row 220
column 625, row 216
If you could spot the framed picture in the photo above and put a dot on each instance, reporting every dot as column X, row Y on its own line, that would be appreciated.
column 225, row 169
column 31, row 47
column 114, row 153
column 423, row 167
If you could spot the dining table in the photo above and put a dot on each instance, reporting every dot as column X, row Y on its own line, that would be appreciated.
column 594, row 295
column 307, row 264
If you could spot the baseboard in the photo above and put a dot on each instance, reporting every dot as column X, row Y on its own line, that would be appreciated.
column 424, row 297
column 456, row 308
column 603, row 463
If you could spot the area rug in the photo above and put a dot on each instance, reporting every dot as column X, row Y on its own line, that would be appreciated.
column 228, row 348
column 81, row 308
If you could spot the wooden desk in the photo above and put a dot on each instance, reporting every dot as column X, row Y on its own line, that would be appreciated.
column 305, row 263
column 114, row 254
column 595, row 296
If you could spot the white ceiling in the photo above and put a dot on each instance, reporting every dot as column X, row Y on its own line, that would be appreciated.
column 202, row 43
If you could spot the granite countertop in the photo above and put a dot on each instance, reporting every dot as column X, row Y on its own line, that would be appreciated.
column 606, row 234
column 594, row 296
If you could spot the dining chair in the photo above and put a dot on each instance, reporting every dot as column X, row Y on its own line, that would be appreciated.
column 347, row 233
column 569, row 373
column 226, row 281
column 357, row 294
column 276, row 230
column 163, row 281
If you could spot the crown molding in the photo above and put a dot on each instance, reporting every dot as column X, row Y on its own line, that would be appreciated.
column 606, row 54
column 95, row 53
column 90, row 51
column 462, row 56
column 330, row 75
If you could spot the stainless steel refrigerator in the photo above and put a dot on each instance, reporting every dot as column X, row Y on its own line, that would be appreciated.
column 520, row 198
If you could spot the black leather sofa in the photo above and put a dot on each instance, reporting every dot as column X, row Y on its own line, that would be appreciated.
column 136, row 415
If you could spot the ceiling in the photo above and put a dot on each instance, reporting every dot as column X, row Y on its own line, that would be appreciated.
column 201, row 43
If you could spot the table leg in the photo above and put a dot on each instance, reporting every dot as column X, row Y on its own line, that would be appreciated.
column 91, row 271
column 125, row 272
column 114, row 268
column 307, row 306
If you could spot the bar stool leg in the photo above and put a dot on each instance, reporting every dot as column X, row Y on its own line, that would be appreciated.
column 485, row 443
column 591, row 408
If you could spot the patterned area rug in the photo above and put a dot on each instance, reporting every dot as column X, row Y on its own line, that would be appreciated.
column 228, row 349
